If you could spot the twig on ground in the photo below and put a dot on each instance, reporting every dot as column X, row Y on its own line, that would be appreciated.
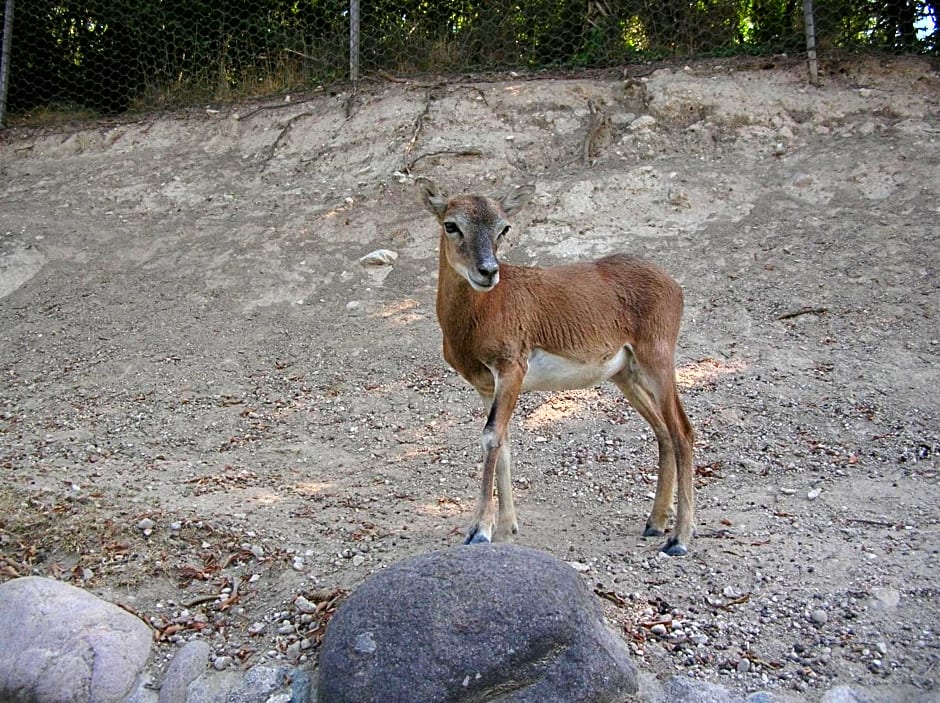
column 284, row 132
column 469, row 151
column 876, row 523
column 209, row 598
column 277, row 106
column 419, row 124
column 803, row 311
column 612, row 596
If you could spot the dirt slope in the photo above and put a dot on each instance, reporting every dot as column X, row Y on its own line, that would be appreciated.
column 202, row 388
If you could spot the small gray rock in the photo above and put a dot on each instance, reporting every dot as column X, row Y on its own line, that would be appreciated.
column 819, row 617
column 760, row 697
column 259, row 684
column 212, row 687
column 844, row 694
column 885, row 598
column 495, row 622
column 144, row 690
column 687, row 690
column 190, row 661
column 643, row 122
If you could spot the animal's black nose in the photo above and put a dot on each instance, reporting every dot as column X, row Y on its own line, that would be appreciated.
column 488, row 269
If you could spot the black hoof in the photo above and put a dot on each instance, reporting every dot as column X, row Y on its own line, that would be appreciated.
column 476, row 537
column 651, row 531
column 674, row 549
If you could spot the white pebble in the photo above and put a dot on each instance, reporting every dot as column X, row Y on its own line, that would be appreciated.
column 303, row 605
column 379, row 257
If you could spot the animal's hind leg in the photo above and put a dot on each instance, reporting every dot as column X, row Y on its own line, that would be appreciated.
column 642, row 393
column 684, row 440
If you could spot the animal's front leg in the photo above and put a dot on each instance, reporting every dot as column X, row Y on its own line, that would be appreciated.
column 506, row 524
column 481, row 529
column 496, row 458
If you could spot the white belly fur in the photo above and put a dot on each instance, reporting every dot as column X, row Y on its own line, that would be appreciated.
column 550, row 372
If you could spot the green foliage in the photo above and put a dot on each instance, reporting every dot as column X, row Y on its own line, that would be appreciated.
column 115, row 55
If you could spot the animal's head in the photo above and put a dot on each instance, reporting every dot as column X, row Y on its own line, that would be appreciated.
column 473, row 226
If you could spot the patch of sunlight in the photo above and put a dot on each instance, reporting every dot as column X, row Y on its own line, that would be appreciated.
column 311, row 488
column 442, row 507
column 260, row 497
column 707, row 370
column 559, row 407
column 399, row 313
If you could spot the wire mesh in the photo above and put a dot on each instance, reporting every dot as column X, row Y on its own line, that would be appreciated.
column 109, row 56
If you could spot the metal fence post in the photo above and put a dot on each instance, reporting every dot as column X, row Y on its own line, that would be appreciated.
column 353, row 40
column 810, row 26
column 5, row 59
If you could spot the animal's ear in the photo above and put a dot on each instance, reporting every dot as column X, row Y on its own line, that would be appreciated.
column 433, row 197
column 516, row 199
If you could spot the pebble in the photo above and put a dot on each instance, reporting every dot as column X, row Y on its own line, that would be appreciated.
column 813, row 494
column 885, row 598
column 256, row 628
column 744, row 665
column 379, row 257
column 819, row 617
column 643, row 122
column 221, row 663
column 293, row 651
column 285, row 628
column 146, row 524
column 658, row 629
column 304, row 606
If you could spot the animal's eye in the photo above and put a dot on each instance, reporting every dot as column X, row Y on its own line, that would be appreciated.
column 503, row 233
column 451, row 228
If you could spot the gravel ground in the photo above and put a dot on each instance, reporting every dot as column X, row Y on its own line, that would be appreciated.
column 214, row 415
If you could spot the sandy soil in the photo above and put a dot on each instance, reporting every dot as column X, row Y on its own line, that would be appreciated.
column 209, row 406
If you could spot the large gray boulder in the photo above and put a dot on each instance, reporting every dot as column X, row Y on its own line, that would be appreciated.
column 60, row 644
column 489, row 622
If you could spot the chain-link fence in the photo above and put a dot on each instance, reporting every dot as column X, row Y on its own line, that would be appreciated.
column 91, row 57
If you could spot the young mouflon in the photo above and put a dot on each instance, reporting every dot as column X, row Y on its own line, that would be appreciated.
column 510, row 329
